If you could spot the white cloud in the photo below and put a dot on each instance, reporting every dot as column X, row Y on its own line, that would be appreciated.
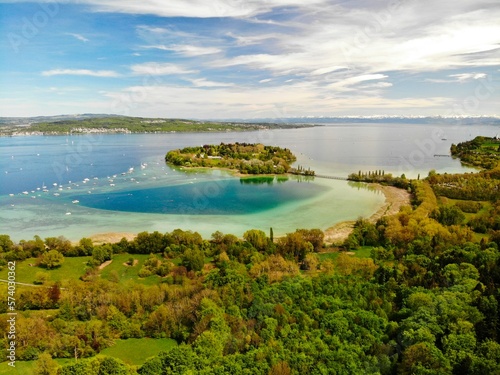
column 196, row 8
column 460, row 78
column 185, row 49
column 330, row 69
column 80, row 72
column 347, row 83
column 463, row 77
column 156, row 69
column 265, row 80
column 79, row 37
column 202, row 82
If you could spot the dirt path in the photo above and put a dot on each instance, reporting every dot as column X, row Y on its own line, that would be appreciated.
column 105, row 264
column 394, row 199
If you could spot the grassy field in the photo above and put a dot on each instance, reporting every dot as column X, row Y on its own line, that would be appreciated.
column 136, row 351
column 26, row 367
column 131, row 351
column 71, row 269
column 118, row 271
column 362, row 252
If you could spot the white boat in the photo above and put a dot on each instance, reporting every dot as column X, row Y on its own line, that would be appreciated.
column 55, row 184
column 68, row 213
column 11, row 195
column 75, row 201
column 25, row 193
column 56, row 194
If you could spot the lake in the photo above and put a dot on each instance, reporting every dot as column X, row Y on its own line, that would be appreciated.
column 120, row 183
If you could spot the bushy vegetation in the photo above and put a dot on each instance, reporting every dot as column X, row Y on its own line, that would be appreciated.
column 483, row 186
column 247, row 158
column 482, row 152
column 380, row 177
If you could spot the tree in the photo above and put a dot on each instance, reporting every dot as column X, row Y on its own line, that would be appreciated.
column 102, row 253
column 6, row 243
column 424, row 358
column 280, row 368
column 193, row 259
column 55, row 293
column 294, row 245
column 256, row 238
column 45, row 365
column 52, row 259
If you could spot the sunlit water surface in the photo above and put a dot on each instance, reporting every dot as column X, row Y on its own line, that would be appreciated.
column 120, row 183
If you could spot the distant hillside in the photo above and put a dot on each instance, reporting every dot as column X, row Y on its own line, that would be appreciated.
column 84, row 124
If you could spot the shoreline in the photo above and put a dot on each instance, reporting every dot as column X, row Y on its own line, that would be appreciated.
column 395, row 198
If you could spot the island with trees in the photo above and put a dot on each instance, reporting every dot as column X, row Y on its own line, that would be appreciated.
column 417, row 292
column 245, row 158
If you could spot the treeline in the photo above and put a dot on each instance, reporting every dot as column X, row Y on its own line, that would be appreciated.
column 380, row 177
column 483, row 186
column 247, row 158
column 482, row 152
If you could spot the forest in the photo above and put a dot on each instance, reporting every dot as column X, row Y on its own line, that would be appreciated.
column 482, row 152
column 413, row 293
column 246, row 158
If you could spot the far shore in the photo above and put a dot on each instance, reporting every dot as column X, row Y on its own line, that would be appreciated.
column 395, row 198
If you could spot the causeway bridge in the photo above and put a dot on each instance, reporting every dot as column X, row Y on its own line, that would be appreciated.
column 331, row 177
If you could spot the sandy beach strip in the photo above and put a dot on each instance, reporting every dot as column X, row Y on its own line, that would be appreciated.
column 395, row 198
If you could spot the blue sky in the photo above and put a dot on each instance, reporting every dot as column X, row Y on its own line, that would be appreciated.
column 250, row 59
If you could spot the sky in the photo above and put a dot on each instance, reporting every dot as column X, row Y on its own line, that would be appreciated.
column 226, row 59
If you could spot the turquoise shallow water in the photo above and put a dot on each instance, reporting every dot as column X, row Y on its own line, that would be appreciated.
column 122, row 184
column 222, row 197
